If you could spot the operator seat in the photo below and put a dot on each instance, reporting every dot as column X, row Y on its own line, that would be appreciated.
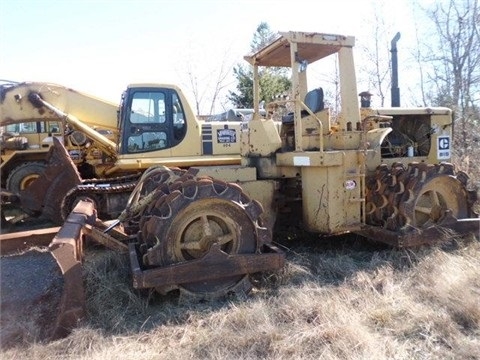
column 313, row 100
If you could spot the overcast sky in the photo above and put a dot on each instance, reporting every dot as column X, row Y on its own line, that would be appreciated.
column 101, row 46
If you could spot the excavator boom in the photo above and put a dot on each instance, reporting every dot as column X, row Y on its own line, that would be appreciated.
column 15, row 105
column 106, row 145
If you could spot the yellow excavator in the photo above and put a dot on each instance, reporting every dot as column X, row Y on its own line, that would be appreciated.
column 203, row 226
column 153, row 125
column 27, row 131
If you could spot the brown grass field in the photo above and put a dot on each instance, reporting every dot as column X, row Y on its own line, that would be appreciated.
column 343, row 298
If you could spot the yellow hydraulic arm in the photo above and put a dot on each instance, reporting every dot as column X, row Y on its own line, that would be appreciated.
column 105, row 144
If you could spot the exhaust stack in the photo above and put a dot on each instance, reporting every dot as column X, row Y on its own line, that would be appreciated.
column 395, row 88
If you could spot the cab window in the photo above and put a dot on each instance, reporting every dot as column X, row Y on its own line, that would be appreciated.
column 156, row 120
column 148, row 108
column 25, row 128
column 54, row 127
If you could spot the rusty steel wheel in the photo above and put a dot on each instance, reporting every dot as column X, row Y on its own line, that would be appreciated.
column 378, row 194
column 184, row 224
column 425, row 203
column 154, row 180
column 419, row 195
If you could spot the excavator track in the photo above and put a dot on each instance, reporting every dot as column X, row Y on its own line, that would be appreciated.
column 418, row 196
column 108, row 195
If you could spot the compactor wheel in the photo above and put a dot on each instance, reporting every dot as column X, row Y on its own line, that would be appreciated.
column 380, row 189
column 154, row 180
column 183, row 225
column 419, row 195
column 427, row 200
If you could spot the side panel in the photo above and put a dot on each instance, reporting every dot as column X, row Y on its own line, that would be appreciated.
column 220, row 138
column 332, row 196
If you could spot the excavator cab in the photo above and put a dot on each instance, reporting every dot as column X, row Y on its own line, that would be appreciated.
column 151, row 119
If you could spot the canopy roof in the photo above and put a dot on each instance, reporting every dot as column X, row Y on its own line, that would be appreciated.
column 311, row 47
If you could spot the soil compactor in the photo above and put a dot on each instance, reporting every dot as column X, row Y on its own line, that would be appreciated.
column 381, row 173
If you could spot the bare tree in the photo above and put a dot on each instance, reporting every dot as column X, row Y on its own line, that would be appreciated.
column 454, row 76
column 206, row 91
column 195, row 88
column 220, row 82
column 418, row 57
column 376, row 69
column 204, row 80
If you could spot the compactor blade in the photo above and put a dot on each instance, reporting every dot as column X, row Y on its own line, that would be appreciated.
column 42, row 296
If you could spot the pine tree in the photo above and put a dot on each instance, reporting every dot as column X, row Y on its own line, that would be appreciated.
column 273, row 81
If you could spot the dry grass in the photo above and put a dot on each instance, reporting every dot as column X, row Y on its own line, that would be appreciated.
column 343, row 299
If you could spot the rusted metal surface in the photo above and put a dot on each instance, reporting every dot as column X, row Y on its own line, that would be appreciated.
column 44, row 196
column 189, row 216
column 8, row 200
column 47, row 283
column 8, row 197
column 97, row 234
column 214, row 265
column 434, row 234
column 23, row 240
column 109, row 195
column 405, row 204
column 67, row 249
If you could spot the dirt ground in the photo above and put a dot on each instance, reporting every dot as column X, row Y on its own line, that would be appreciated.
column 31, row 288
